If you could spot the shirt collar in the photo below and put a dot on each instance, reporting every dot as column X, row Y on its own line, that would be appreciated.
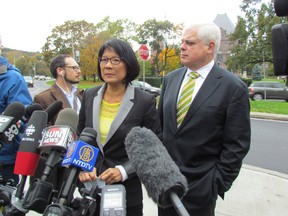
column 203, row 71
column 73, row 90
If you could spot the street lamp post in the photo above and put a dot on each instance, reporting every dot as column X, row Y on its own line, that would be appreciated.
column 14, row 59
column 263, row 63
column 34, row 68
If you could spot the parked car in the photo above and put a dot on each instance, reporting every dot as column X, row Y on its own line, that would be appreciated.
column 29, row 81
column 36, row 77
column 268, row 90
column 42, row 77
column 151, row 89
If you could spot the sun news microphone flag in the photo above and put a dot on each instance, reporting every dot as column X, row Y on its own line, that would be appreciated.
column 28, row 154
column 8, row 121
column 59, row 136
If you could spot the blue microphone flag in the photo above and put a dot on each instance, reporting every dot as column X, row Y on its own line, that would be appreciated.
column 82, row 155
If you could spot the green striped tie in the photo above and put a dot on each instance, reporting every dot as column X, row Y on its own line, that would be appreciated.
column 185, row 97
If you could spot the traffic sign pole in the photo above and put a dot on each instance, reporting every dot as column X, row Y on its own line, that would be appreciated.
column 144, row 75
column 143, row 52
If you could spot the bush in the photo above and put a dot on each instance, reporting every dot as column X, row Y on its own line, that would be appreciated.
column 248, row 81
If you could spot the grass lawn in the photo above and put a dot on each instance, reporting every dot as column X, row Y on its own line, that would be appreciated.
column 266, row 106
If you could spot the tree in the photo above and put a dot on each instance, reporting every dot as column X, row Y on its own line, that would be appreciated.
column 104, row 30
column 253, row 36
column 66, row 38
column 161, row 36
column 122, row 29
column 256, row 72
column 171, row 58
column 89, row 53
column 87, row 39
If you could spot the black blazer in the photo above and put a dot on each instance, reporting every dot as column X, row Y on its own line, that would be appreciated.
column 214, row 136
column 137, row 108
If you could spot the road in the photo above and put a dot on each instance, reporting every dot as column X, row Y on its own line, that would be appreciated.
column 269, row 147
column 39, row 86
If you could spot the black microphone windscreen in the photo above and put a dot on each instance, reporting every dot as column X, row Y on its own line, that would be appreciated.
column 67, row 117
column 154, row 166
column 15, row 110
column 281, row 7
column 28, row 153
column 31, row 108
column 53, row 109
column 88, row 135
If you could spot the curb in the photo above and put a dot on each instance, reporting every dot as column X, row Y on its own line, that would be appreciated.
column 266, row 171
column 269, row 116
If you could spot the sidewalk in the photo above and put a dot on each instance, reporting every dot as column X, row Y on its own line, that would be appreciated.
column 255, row 192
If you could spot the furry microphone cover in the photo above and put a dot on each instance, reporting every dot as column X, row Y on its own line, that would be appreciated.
column 154, row 166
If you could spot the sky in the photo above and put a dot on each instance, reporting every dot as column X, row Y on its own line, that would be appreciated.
column 25, row 24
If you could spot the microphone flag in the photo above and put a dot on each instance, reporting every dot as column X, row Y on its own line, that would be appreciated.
column 57, row 138
column 8, row 121
column 28, row 154
column 82, row 155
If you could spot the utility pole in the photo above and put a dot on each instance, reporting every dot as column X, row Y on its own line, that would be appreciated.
column 72, row 39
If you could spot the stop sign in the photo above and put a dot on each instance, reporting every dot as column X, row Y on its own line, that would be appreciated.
column 143, row 52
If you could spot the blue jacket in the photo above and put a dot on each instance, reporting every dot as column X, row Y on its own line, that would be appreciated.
column 13, row 88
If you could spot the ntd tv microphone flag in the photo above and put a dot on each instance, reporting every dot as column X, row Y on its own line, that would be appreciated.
column 81, row 155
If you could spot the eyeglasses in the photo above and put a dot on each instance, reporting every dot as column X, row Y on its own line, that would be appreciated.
column 75, row 68
column 114, row 61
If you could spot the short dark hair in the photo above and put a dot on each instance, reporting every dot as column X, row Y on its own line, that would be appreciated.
column 58, row 61
column 127, row 55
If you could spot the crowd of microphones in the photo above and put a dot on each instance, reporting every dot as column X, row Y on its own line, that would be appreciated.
column 60, row 143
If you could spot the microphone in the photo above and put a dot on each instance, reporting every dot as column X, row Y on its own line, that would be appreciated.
column 29, row 111
column 28, row 154
column 155, row 168
column 27, row 159
column 57, row 138
column 55, row 141
column 281, row 7
column 80, row 156
column 53, row 109
column 8, row 121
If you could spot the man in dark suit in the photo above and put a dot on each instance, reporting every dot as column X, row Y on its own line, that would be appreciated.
column 66, row 72
column 214, row 136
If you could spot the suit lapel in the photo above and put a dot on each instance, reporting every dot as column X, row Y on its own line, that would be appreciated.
column 125, row 107
column 210, row 84
column 59, row 95
column 96, row 115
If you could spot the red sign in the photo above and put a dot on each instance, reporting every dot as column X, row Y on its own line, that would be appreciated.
column 143, row 52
